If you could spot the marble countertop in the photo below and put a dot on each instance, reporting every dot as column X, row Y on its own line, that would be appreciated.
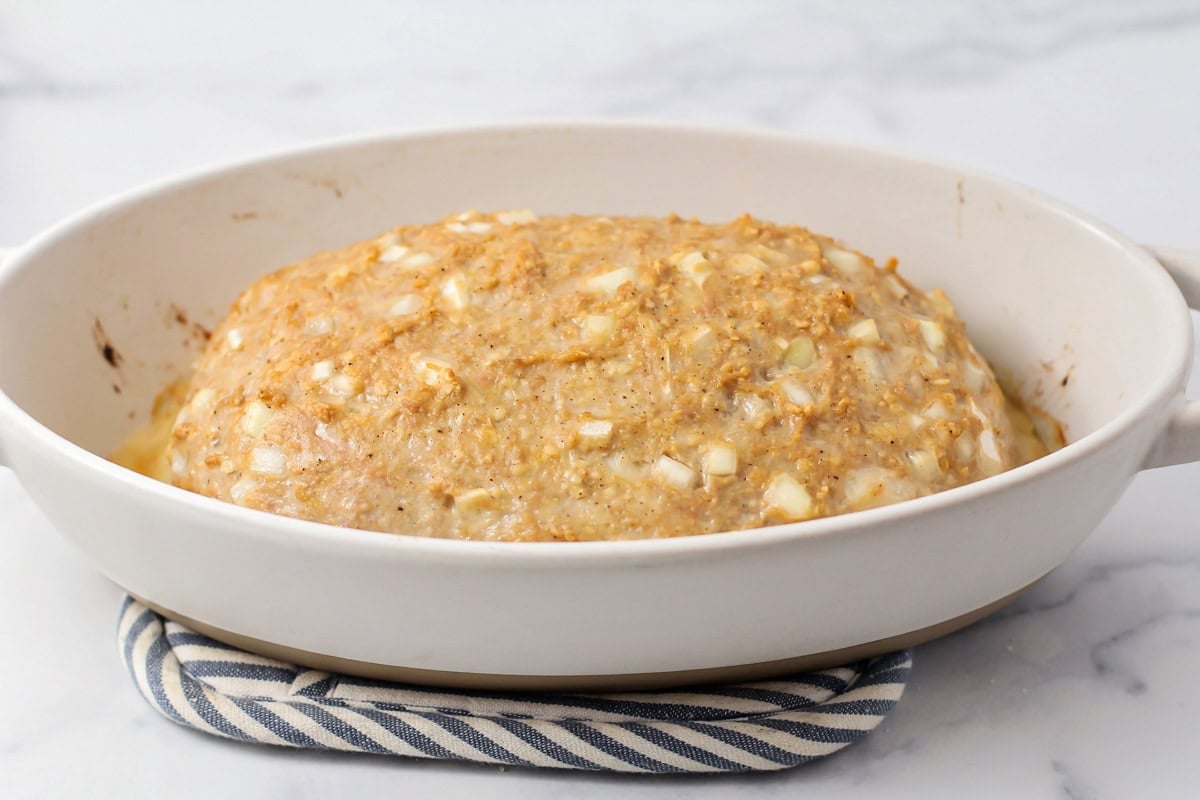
column 1083, row 689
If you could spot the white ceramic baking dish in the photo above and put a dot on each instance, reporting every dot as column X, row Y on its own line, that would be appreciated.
column 97, row 314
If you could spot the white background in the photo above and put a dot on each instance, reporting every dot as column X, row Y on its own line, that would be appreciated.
column 1084, row 689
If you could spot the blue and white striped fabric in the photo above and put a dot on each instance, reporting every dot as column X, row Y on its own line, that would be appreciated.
column 764, row 725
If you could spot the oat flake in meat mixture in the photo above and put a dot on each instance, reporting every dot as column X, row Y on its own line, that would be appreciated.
column 514, row 377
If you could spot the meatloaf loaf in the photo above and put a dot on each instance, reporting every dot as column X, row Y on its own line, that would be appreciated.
column 514, row 377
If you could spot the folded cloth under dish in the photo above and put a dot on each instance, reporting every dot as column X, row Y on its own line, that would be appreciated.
column 762, row 725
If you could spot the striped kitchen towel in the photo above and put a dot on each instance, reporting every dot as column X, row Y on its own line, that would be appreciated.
column 764, row 725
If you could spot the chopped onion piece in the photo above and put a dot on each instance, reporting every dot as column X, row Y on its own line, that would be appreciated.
column 964, row 447
column 202, row 399
column 609, row 282
column 868, row 360
column 800, row 352
column 432, row 371
column 324, row 433
column 786, row 496
column 322, row 370
column 469, row 227
column 745, row 264
column 989, row 454
column 868, row 487
column 721, row 459
column 796, row 392
column 933, row 334
column 865, row 331
column 343, row 385
column 318, row 326
column 987, row 445
column 405, row 304
column 844, row 261
column 936, row 410
column 234, row 339
column 896, row 287
column 456, row 293
column 178, row 463
column 701, row 340
column 393, row 253
column 597, row 430
column 974, row 378
column 978, row 412
column 267, row 459
column 752, row 405
column 238, row 492
column 768, row 256
column 473, row 500
column 938, row 299
column 623, row 466
column 418, row 260
column 924, row 465
column 617, row 366
column 519, row 216
column 255, row 418
column 675, row 472
column 598, row 327
column 695, row 266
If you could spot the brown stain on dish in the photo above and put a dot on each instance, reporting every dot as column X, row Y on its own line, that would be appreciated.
column 243, row 216
column 321, row 183
column 104, row 346
column 962, row 200
column 108, row 352
column 1053, row 371
column 198, row 334
column 331, row 185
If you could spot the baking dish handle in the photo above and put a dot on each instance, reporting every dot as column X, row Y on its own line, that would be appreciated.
column 1180, row 442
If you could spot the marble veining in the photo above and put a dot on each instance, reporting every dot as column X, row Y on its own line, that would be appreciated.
column 1083, row 688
